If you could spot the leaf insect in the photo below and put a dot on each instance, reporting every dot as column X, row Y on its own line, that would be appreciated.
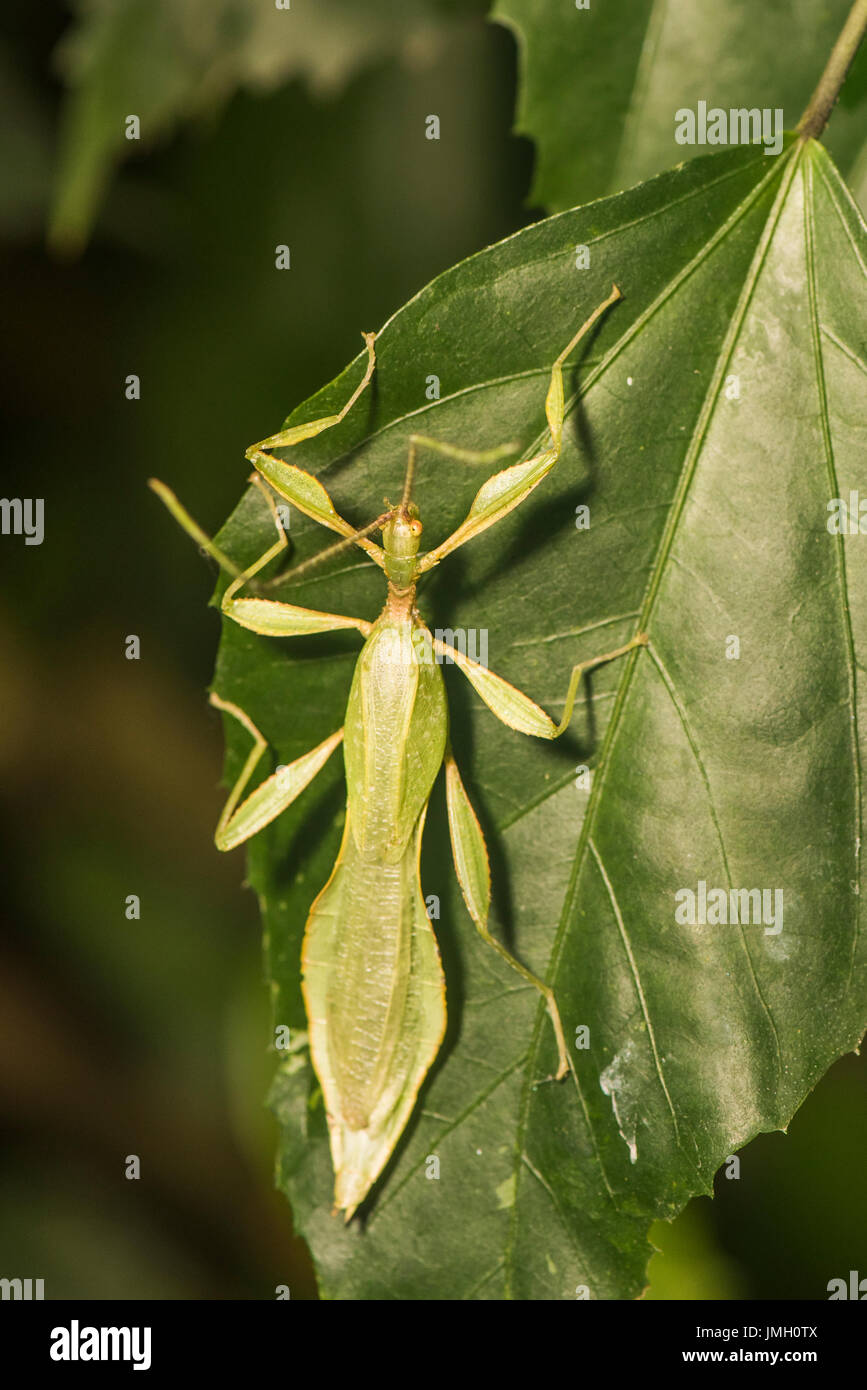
column 372, row 980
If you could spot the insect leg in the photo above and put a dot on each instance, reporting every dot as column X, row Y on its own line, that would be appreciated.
column 582, row 668
column 504, row 491
column 267, row 616
column 295, row 434
column 274, row 794
column 192, row 528
column 515, row 708
column 474, row 876
column 299, row 487
column 272, row 617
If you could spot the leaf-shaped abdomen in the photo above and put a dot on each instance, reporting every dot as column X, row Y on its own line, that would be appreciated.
column 375, row 998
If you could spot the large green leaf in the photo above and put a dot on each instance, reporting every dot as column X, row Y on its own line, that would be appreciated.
column 624, row 67
column 718, row 409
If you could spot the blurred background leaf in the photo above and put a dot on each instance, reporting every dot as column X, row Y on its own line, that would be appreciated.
column 167, row 61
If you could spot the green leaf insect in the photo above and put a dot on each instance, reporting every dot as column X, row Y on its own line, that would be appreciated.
column 372, row 980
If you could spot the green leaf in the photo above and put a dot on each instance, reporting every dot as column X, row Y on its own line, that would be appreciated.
column 624, row 69
column 167, row 61
column 712, row 417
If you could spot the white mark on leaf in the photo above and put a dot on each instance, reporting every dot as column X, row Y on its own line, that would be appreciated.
column 506, row 1193
column 614, row 1081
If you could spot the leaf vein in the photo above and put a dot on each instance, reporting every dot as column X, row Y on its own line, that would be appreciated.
column 693, row 743
column 849, row 638
column 639, row 988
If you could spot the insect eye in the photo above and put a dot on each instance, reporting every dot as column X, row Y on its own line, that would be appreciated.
column 416, row 528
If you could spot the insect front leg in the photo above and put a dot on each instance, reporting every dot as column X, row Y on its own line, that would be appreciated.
column 474, row 875
column 274, row 794
column 300, row 488
column 506, row 490
column 295, row 434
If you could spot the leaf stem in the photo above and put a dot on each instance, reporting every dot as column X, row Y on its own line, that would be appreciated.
column 822, row 102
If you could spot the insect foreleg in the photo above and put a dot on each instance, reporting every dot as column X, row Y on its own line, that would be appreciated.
column 474, row 876
column 554, row 402
column 296, row 434
column 300, row 488
column 306, row 493
column 506, row 490
column 272, row 617
column 274, row 794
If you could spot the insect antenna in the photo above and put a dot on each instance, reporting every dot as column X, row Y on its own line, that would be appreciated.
column 328, row 553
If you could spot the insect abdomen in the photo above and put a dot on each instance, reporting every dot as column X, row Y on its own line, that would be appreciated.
column 375, row 997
